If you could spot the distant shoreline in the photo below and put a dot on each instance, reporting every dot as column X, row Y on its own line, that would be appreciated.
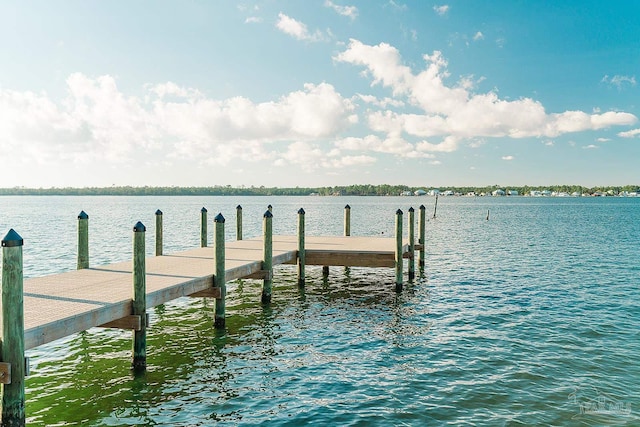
column 350, row 190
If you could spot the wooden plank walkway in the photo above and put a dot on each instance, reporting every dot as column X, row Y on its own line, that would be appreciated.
column 60, row 305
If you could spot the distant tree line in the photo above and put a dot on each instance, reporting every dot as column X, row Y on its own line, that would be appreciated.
column 348, row 190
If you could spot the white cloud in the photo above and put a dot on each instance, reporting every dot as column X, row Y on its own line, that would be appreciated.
column 603, row 139
column 442, row 9
column 619, row 81
column 349, row 11
column 311, row 158
column 478, row 36
column 590, row 147
column 383, row 103
column 629, row 134
column 97, row 122
column 507, row 158
column 297, row 29
column 253, row 20
column 454, row 112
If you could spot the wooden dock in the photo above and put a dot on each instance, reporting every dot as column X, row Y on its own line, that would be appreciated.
column 40, row 310
column 63, row 304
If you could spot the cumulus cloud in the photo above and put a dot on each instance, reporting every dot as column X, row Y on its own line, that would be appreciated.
column 507, row 158
column 297, row 29
column 96, row 121
column 629, row 134
column 453, row 112
column 478, row 36
column 442, row 9
column 311, row 157
column 253, row 20
column 348, row 11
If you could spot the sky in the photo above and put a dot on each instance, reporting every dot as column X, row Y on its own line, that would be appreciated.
column 319, row 93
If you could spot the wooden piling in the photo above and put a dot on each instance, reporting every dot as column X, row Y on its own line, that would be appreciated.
column 398, row 251
column 12, row 352
column 301, row 250
column 159, row 232
column 435, row 207
column 139, row 304
column 421, row 236
column 219, row 280
column 203, row 227
column 412, row 244
column 267, row 256
column 238, row 222
column 347, row 220
column 83, row 240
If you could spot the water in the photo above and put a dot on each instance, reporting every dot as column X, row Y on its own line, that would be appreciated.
column 530, row 318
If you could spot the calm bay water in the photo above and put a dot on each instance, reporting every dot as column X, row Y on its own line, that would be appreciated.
column 530, row 318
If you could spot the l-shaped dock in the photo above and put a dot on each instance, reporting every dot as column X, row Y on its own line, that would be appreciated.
column 40, row 310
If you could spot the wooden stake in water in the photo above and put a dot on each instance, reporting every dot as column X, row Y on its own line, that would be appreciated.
column 399, row 260
column 158, row 232
column 83, row 240
column 487, row 214
column 412, row 244
column 203, row 227
column 139, row 304
column 435, row 208
column 267, row 257
column 238, row 222
column 13, row 400
column 219, row 280
column 301, row 250
column 421, row 236
column 347, row 220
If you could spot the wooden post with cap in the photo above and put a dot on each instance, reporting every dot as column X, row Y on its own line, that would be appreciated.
column 267, row 256
column 203, row 227
column 219, row 280
column 159, row 232
column 139, row 304
column 301, row 250
column 398, row 252
column 12, row 352
column 412, row 244
column 83, row 240
column 238, row 222
column 421, row 236
column 347, row 220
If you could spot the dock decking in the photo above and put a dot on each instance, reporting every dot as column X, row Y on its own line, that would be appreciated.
column 63, row 304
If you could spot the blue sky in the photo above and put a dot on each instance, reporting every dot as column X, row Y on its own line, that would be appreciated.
column 315, row 93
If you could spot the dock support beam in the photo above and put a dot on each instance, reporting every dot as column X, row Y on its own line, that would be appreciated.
column 421, row 236
column 83, row 240
column 412, row 244
column 347, row 220
column 219, row 280
column 203, row 227
column 301, row 250
column 399, row 259
column 12, row 353
column 139, row 304
column 238, row 222
column 267, row 256
column 158, row 232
